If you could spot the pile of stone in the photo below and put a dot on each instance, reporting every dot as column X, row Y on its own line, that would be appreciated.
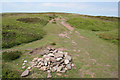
column 52, row 60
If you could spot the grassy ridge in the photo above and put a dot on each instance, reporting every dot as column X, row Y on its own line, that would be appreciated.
column 92, row 24
column 17, row 32
column 108, row 28
column 96, row 56
column 111, row 36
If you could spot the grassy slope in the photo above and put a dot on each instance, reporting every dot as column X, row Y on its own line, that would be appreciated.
column 91, row 48
column 16, row 32
column 108, row 28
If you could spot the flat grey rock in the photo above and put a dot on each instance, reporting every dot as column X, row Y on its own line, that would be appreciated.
column 68, row 57
column 53, row 69
column 25, row 73
column 66, row 61
column 42, row 53
column 52, row 59
column 63, row 71
column 58, row 59
column 68, row 66
column 58, row 55
column 49, row 75
column 23, row 67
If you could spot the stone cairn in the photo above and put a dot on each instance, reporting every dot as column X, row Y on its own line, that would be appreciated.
column 52, row 60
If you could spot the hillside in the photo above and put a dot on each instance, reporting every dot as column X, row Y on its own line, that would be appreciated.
column 92, row 43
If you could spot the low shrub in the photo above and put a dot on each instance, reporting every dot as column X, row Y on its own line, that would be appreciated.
column 12, row 55
column 12, row 35
column 7, row 73
column 53, row 16
column 33, row 20
column 54, row 22
column 111, row 36
column 53, row 43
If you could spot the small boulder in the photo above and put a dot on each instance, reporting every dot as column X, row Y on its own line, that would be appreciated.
column 32, row 65
column 45, row 62
column 72, row 65
column 39, row 59
column 53, row 69
column 42, row 53
column 62, row 71
column 43, row 68
column 35, row 59
column 42, row 64
column 38, row 66
column 51, row 55
column 25, row 61
column 65, row 53
column 59, row 68
column 66, row 61
column 29, row 68
column 68, row 57
column 48, row 71
column 23, row 64
column 52, row 59
column 54, row 64
column 66, row 69
column 46, row 51
column 55, row 51
column 49, row 75
column 60, row 52
column 58, row 59
column 57, row 55
column 68, row 66
column 25, row 73
column 23, row 67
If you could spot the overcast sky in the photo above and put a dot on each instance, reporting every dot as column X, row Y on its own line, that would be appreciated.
column 59, row 0
column 88, row 8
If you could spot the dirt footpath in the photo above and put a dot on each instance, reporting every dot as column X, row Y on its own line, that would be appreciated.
column 67, row 26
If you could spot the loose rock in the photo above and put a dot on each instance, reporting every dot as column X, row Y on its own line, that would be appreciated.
column 23, row 64
column 72, row 65
column 57, row 55
column 35, row 59
column 43, row 68
column 68, row 66
column 25, row 73
column 25, row 61
column 29, row 68
column 68, row 57
column 66, row 61
column 23, row 67
column 52, row 60
column 49, row 75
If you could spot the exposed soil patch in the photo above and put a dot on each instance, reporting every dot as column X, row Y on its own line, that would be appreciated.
column 64, row 35
column 74, row 43
column 67, row 26
column 79, row 34
column 40, row 49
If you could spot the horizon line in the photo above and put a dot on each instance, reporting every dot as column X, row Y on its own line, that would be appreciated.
column 59, row 12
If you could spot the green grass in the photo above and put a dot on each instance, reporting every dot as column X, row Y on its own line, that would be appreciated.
column 16, row 32
column 7, row 74
column 92, row 24
column 111, row 36
column 94, row 55
column 108, row 28
column 12, row 55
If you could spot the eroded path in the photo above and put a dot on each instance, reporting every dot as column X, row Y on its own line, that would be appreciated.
column 88, row 51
